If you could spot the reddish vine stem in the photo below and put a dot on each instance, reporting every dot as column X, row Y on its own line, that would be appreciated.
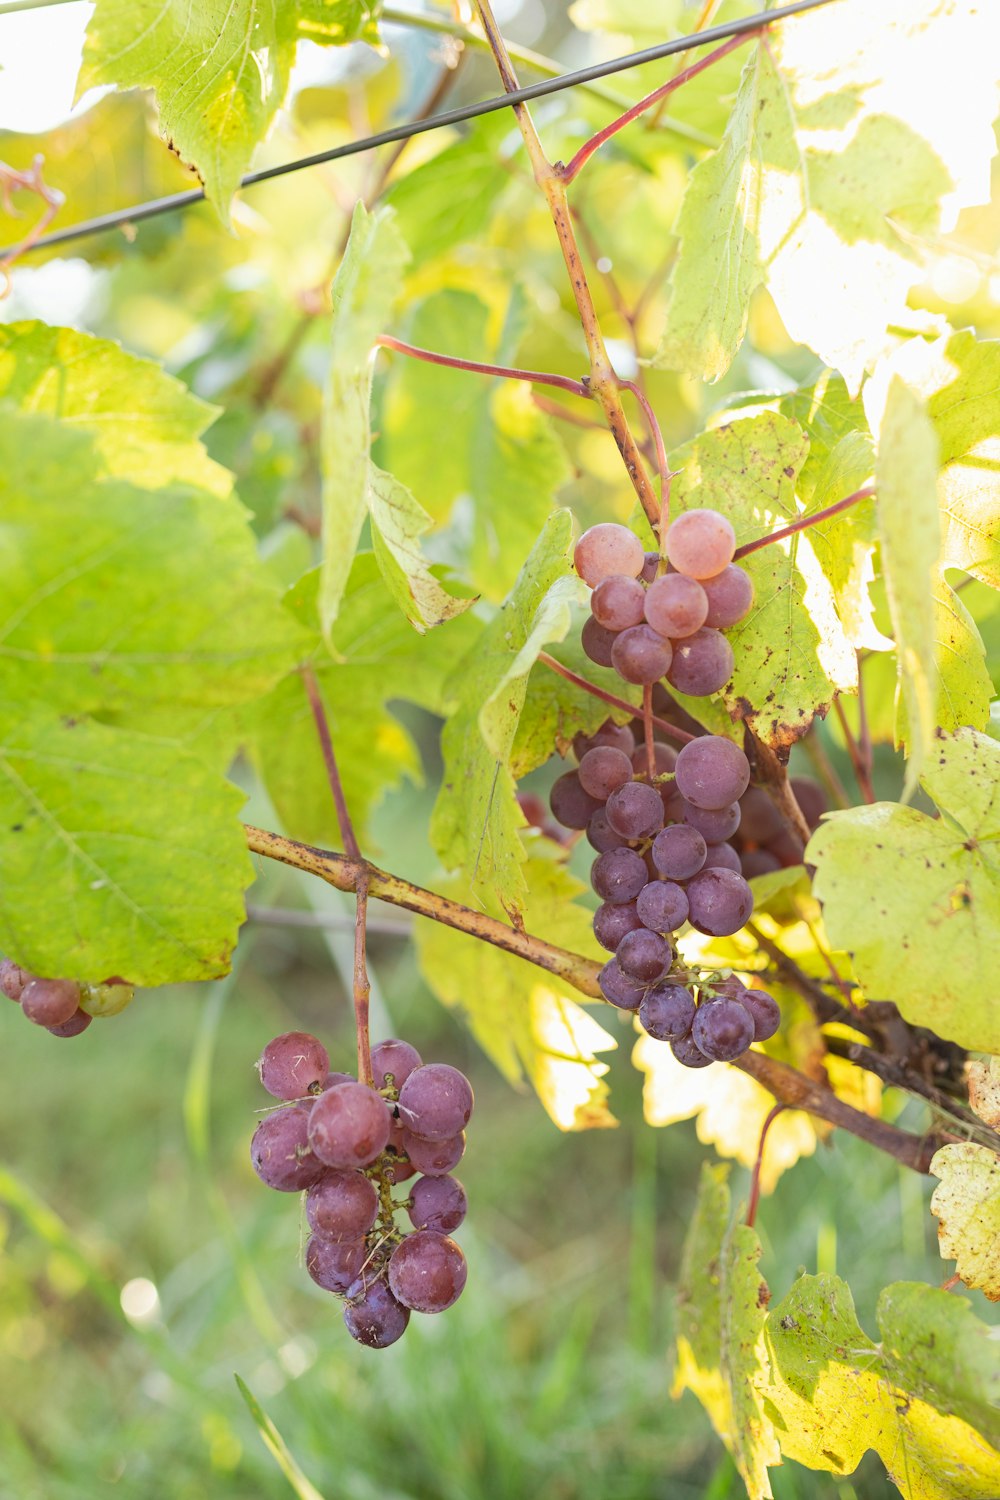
column 565, row 413
column 647, row 730
column 596, row 692
column 509, row 372
column 804, row 522
column 31, row 181
column 657, row 435
column 347, row 835
column 754, row 1198
column 707, row 11
column 861, row 773
column 362, row 988
column 586, row 151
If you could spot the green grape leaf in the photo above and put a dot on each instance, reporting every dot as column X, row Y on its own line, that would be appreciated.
column 961, row 684
column 984, row 1089
column 121, row 854
column 524, row 1020
column 916, row 1398
column 496, row 476
column 966, row 1204
column 721, row 1311
column 791, row 652
column 220, row 69
column 378, row 659
column 555, row 710
column 910, row 537
column 453, row 197
column 398, row 522
column 476, row 820
column 364, row 289
column 145, row 424
column 120, row 600
column 916, row 900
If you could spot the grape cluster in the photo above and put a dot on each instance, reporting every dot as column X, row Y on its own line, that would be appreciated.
column 347, row 1145
column 62, row 1006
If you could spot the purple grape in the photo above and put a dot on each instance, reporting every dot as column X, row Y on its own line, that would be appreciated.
column 719, row 902
column 571, row 805
column 673, row 803
column 436, row 1102
column 650, row 567
column 760, row 820
column 597, row 642
column 635, row 810
column 600, row 834
column 787, row 848
column 617, row 989
column 730, row 988
column 687, row 1052
column 666, row 1012
column 50, row 1002
column 395, row 1160
column 603, row 770
column 349, row 1125
column 280, row 1152
column 722, row 1029
column 612, row 922
column 617, row 602
column 13, row 979
column 755, row 862
column 662, row 906
column 333, row 1266
column 723, row 857
column 77, row 1023
column 676, row 606
column 808, row 794
column 715, row 824
column 618, row 736
column 700, row 543
column 393, row 1059
column 679, row 851
column 293, row 1065
column 427, row 1272
column 372, row 1315
column 712, row 772
column 702, row 664
column 763, row 1011
column 342, row 1206
column 607, row 549
column 618, row 876
column 730, row 595
column 664, row 759
column 437, row 1203
column 434, row 1158
column 640, row 655
column 644, row 956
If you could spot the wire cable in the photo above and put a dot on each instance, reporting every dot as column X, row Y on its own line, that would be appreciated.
column 156, row 206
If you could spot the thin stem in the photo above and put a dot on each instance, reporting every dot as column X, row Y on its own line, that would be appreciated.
column 707, row 12
column 826, row 770
column 864, row 729
column 9, row 6
column 657, row 435
column 362, row 989
column 603, row 382
column 292, row 916
column 754, row 1199
column 861, row 773
column 647, row 730
column 13, row 180
column 508, row 372
column 564, row 413
column 586, row 151
column 347, row 836
column 589, row 687
column 805, row 521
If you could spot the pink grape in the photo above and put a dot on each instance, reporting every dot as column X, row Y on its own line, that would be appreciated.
column 618, row 876
column 618, row 602
column 679, row 851
column 618, row 989
column 77, row 1023
column 13, row 978
column 644, row 956
column 700, row 543
column 603, row 770
column 342, row 1206
column 687, row 1052
column 763, row 1011
column 760, row 820
column 722, row 1029
column 437, row 1203
column 349, row 1125
column 612, row 922
column 664, row 759
column 754, row 862
column 293, row 1065
column 597, row 642
column 702, row 664
column 715, row 824
column 640, row 655
column 618, row 736
column 600, row 834
column 723, row 857
column 676, row 605
column 334, row 1266
column 427, row 1272
column 50, row 1002
column 280, row 1152
column 434, row 1158
column 635, row 810
column 607, row 549
column 662, row 906
column 436, row 1102
column 729, row 595
column 571, row 805
column 395, row 1059
column 372, row 1315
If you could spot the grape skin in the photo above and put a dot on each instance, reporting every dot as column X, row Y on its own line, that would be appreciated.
column 712, row 772
column 700, row 543
column 13, row 979
column 394, row 1059
column 679, row 852
column 687, row 1052
column 606, row 549
column 635, row 810
column 722, row 1029
column 349, row 1125
column 342, row 1206
column 729, row 595
column 597, row 642
column 676, row 606
column 437, row 1203
column 664, row 759
column 603, row 770
column 702, row 663
column 644, row 956
column 334, row 1266
column 280, row 1152
column 666, row 1012
column 434, row 1158
column 77, row 1023
column 618, row 876
column 50, row 1002
column 723, row 857
column 612, row 922
column 600, row 834
column 763, row 1011
column 619, row 736
column 720, row 902
column 714, row 824
column 427, row 1272
column 372, row 1315
column 617, row 989
column 571, row 805
column 436, row 1102
column 640, row 655
column 293, row 1064
column 618, row 602
column 662, row 906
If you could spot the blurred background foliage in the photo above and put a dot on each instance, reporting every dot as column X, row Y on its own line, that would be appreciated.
column 141, row 1264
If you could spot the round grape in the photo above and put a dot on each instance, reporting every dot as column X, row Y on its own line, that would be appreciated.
column 640, row 655
column 108, row 999
column 372, row 1315
column 808, row 794
column 755, row 862
column 571, row 805
column 597, row 642
column 607, row 549
column 650, row 567
column 395, row 1161
column 618, row 876
column 617, row 989
column 700, row 543
column 617, row 602
column 644, row 956
column 787, row 848
column 427, row 1272
column 342, row 1206
column 662, row 906
column 293, row 1065
column 77, row 1023
column 603, row 770
column 349, row 1125
column 51, row 1002
column 676, row 606
column 435, row 1102
column 664, row 759
column 635, row 810
column 719, row 902
column 393, row 1060
column 13, row 978
column 729, row 595
column 687, row 1052
column 722, row 1029
column 760, row 820
column 333, row 1266
column 666, row 1012
column 723, row 857
column 437, row 1203
column 763, row 1011
column 280, row 1152
column 679, row 851
column 715, row 824
column 702, row 664
column 434, row 1158
column 618, row 736
column 612, row 922
column 600, row 834
column 712, row 772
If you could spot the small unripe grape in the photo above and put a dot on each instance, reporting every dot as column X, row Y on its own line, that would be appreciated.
column 108, row 999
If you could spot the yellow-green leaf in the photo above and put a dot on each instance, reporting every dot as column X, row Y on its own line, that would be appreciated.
column 966, row 1205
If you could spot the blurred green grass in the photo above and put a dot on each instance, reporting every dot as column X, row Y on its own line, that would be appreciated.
column 126, row 1157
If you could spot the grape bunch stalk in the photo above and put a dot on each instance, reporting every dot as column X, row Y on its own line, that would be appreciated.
column 661, row 821
column 347, row 1145
column 63, row 1007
